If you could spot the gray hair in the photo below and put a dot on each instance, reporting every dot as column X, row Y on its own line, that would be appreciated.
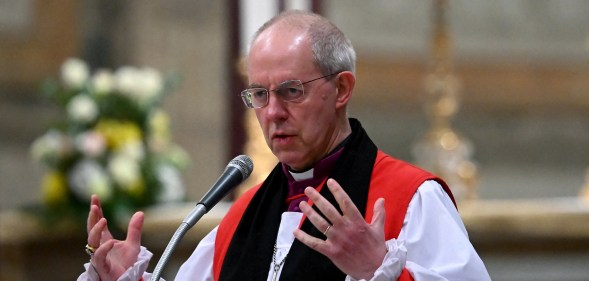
column 332, row 50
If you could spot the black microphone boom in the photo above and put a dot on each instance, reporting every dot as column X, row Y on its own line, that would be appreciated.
column 235, row 173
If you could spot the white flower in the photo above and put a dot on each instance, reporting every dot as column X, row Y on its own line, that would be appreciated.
column 124, row 170
column 103, row 81
column 46, row 146
column 82, row 109
column 150, row 83
column 133, row 150
column 142, row 85
column 126, row 80
column 91, row 143
column 87, row 177
column 52, row 146
column 74, row 72
column 172, row 186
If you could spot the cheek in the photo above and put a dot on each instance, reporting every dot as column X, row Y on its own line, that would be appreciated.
column 258, row 116
column 315, row 124
column 263, row 123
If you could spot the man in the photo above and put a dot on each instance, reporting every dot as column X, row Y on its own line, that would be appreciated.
column 334, row 208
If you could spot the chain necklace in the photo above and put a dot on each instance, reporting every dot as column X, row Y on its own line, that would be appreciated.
column 276, row 266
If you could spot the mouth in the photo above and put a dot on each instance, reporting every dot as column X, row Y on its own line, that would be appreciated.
column 282, row 138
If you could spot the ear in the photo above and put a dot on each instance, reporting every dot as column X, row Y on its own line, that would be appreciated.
column 344, row 82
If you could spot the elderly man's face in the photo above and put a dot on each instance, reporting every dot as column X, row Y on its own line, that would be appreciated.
column 298, row 133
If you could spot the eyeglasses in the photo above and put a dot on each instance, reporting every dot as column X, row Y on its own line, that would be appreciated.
column 290, row 91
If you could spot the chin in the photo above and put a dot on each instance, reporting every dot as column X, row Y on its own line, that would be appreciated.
column 291, row 160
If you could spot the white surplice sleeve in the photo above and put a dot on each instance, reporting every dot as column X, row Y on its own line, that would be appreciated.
column 434, row 240
column 437, row 243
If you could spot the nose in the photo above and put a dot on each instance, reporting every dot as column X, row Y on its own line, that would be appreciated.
column 276, row 108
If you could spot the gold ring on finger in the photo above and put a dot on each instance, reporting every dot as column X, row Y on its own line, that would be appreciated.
column 90, row 250
column 326, row 230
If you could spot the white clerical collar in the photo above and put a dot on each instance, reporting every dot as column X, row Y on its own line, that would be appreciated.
column 302, row 175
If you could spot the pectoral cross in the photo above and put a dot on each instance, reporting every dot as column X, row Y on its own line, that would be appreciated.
column 275, row 272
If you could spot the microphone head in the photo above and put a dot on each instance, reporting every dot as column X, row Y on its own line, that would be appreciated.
column 244, row 164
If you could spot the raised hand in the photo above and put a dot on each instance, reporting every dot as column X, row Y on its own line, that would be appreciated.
column 112, row 257
column 354, row 246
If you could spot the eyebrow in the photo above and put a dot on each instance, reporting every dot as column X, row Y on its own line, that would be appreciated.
column 255, row 85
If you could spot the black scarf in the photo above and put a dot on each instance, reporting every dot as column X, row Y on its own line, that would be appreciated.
column 251, row 248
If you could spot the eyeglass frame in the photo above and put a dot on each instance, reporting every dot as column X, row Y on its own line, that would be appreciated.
column 279, row 88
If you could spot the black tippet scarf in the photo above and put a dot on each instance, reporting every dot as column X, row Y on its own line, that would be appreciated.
column 251, row 248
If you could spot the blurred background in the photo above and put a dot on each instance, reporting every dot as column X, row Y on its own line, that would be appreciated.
column 521, row 67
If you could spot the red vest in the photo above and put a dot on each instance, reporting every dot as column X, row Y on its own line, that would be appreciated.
column 392, row 179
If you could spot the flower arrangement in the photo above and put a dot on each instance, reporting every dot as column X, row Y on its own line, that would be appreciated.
column 114, row 141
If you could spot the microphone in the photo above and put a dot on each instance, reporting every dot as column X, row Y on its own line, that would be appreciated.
column 235, row 173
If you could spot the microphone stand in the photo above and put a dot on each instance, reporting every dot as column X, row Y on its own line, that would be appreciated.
column 191, row 219
column 236, row 171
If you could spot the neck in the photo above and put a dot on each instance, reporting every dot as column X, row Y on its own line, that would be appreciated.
column 298, row 181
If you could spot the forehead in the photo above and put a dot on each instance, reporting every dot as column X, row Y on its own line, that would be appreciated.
column 279, row 54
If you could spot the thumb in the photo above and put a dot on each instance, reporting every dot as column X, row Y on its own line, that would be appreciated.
column 135, row 227
column 379, row 213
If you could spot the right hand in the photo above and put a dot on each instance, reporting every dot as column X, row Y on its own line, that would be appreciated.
column 112, row 257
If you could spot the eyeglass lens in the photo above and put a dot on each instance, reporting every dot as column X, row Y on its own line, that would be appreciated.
column 286, row 91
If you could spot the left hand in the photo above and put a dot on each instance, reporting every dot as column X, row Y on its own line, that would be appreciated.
column 112, row 257
column 354, row 246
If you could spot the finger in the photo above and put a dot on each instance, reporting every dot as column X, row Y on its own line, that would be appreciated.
column 95, row 213
column 330, row 212
column 134, row 228
column 312, row 242
column 99, row 258
column 95, row 201
column 379, row 212
column 93, row 216
column 317, row 220
column 348, row 207
column 95, row 233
